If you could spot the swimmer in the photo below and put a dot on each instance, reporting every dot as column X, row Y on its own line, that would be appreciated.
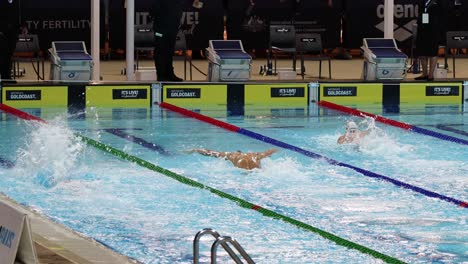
column 352, row 134
column 247, row 161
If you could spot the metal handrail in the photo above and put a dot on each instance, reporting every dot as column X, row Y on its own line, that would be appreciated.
column 196, row 245
column 223, row 240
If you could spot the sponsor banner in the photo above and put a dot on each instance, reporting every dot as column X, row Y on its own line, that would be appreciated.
column 54, row 20
column 195, row 94
column 129, row 93
column 35, row 96
column 124, row 96
column 346, row 93
column 16, row 244
column 357, row 26
column 431, row 93
column 23, row 95
column 371, row 25
column 183, row 93
column 340, row 91
column 288, row 92
column 287, row 95
column 442, row 90
column 11, row 225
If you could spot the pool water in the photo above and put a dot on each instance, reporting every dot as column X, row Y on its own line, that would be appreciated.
column 153, row 219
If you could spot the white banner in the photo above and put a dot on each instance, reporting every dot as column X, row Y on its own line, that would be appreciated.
column 15, row 237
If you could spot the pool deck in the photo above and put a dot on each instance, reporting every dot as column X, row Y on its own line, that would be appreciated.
column 342, row 70
column 56, row 244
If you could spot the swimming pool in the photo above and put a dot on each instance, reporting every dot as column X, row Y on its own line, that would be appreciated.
column 153, row 218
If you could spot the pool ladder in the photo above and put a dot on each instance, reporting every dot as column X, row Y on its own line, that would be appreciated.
column 224, row 241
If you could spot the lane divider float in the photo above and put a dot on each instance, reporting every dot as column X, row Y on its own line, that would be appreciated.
column 240, row 202
column 311, row 154
column 137, row 140
column 391, row 122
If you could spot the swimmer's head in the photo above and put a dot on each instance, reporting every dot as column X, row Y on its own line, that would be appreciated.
column 351, row 127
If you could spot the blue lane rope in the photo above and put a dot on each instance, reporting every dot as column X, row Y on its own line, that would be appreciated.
column 137, row 140
column 362, row 171
column 281, row 144
column 431, row 133
column 243, row 203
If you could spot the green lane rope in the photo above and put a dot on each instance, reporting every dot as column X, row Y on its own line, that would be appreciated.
column 239, row 201
column 243, row 203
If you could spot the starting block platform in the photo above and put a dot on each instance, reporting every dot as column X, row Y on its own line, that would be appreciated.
column 228, row 61
column 70, row 61
column 383, row 60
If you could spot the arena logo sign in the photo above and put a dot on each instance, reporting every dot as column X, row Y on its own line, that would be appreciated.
column 442, row 90
column 336, row 91
column 129, row 94
column 287, row 92
column 26, row 95
column 183, row 93
column 188, row 21
column 405, row 17
column 58, row 24
column 6, row 237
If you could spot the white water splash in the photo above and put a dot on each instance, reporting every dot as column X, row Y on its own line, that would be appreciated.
column 379, row 142
column 50, row 153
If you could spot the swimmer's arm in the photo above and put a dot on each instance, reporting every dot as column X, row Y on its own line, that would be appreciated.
column 267, row 153
column 365, row 132
column 207, row 152
column 341, row 139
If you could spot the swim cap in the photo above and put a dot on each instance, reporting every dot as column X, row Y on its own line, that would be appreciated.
column 351, row 125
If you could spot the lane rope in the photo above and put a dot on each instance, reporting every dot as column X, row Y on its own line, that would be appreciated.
column 137, row 140
column 391, row 122
column 240, row 202
column 311, row 154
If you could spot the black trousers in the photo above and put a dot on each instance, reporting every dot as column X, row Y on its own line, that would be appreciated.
column 7, row 47
column 163, row 56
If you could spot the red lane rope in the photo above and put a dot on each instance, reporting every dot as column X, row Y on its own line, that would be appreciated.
column 356, row 112
column 20, row 114
column 200, row 117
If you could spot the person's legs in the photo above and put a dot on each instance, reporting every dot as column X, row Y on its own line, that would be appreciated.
column 159, row 60
column 171, row 41
column 7, row 47
column 432, row 66
column 424, row 62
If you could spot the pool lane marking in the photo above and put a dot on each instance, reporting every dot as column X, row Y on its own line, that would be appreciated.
column 241, row 202
column 116, row 132
column 122, row 134
column 391, row 122
column 311, row 154
column 451, row 129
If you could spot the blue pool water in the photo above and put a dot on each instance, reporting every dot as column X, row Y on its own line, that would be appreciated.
column 153, row 218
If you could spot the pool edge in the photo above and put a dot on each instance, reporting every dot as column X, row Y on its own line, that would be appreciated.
column 65, row 242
